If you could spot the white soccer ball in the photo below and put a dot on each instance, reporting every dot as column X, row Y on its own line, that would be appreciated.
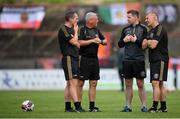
column 27, row 105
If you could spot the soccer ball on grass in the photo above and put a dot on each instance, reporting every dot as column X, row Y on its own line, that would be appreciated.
column 27, row 105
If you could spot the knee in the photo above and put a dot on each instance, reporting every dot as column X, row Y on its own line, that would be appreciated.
column 73, row 83
column 140, row 85
column 155, row 83
column 93, row 83
column 128, row 83
column 81, row 83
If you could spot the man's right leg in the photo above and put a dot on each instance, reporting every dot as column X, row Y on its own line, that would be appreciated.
column 129, row 92
column 67, row 98
column 128, row 75
column 128, row 95
column 155, row 72
column 156, row 96
column 73, row 89
column 74, row 93
column 92, row 96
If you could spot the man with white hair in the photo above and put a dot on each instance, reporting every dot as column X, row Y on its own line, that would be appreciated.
column 157, row 42
column 90, row 38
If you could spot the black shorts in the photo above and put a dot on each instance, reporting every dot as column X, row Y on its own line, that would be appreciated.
column 89, row 68
column 70, row 66
column 133, row 69
column 158, row 70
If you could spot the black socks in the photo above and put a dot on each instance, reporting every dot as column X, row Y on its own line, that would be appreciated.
column 91, row 105
column 155, row 104
column 67, row 105
column 163, row 104
column 77, row 105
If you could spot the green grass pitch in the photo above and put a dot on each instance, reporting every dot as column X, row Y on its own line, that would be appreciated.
column 49, row 104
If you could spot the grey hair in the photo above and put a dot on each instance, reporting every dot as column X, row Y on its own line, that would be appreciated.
column 90, row 15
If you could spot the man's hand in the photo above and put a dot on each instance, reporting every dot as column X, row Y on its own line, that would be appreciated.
column 76, row 27
column 144, row 44
column 152, row 44
column 77, row 45
column 74, row 40
column 96, row 40
column 149, row 43
column 127, row 38
column 104, row 42
column 133, row 38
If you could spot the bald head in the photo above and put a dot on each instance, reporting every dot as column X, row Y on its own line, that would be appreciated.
column 152, row 19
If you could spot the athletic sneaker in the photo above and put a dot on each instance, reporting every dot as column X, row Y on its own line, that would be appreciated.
column 80, row 110
column 162, row 110
column 152, row 110
column 144, row 109
column 95, row 109
column 70, row 110
column 126, row 109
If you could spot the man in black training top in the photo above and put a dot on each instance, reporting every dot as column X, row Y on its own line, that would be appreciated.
column 131, row 38
column 157, row 42
column 90, row 38
column 69, row 45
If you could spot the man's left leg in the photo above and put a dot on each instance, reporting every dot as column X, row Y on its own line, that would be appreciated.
column 163, row 91
column 163, row 94
column 142, row 94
